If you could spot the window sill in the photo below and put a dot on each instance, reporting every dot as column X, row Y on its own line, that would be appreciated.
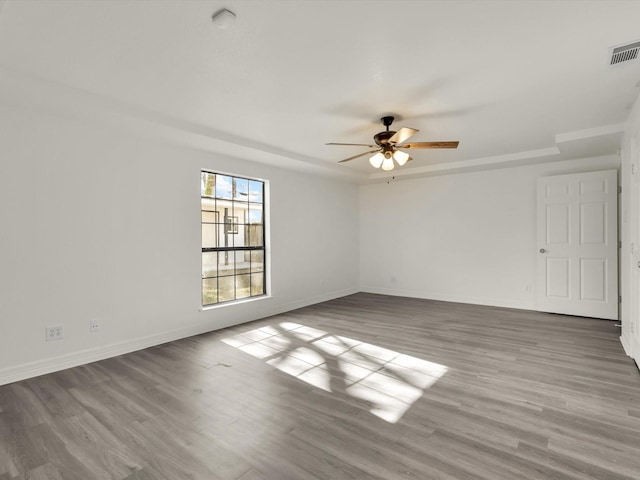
column 234, row 302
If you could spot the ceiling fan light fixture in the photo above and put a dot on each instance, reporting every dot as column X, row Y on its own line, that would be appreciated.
column 376, row 160
column 387, row 164
column 400, row 157
column 387, row 144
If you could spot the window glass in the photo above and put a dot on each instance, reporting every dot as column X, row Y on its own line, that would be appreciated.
column 224, row 187
column 207, row 184
column 233, row 252
column 241, row 191
column 255, row 191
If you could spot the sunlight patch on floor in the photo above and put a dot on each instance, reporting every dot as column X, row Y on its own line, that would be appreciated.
column 389, row 381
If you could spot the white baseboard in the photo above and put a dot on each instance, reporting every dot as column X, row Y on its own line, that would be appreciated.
column 625, row 345
column 83, row 357
column 287, row 307
column 491, row 302
column 631, row 347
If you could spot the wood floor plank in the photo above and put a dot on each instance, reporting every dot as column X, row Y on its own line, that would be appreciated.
column 62, row 459
column 20, row 451
column 142, row 474
column 362, row 387
column 567, row 464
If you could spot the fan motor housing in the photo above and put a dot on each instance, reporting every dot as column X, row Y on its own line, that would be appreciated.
column 382, row 138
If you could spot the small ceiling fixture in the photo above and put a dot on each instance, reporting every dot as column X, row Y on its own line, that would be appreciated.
column 388, row 144
column 223, row 18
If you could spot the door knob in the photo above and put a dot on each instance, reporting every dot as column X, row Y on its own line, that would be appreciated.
column 542, row 250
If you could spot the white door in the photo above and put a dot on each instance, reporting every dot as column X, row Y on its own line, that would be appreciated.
column 578, row 244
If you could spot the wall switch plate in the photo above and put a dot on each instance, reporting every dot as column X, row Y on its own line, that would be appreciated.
column 54, row 332
column 94, row 326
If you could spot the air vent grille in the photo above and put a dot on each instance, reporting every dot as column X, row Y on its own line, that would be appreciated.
column 625, row 53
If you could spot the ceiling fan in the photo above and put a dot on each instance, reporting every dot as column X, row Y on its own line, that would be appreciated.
column 389, row 144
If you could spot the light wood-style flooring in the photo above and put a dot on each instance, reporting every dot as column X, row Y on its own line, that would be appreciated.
column 362, row 387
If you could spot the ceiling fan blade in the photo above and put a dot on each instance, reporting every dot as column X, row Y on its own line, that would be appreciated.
column 429, row 145
column 402, row 135
column 359, row 155
column 353, row 144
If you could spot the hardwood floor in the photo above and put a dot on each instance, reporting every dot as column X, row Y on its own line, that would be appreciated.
column 362, row 387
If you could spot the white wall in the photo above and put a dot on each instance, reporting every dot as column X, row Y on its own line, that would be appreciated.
column 97, row 224
column 469, row 237
column 630, row 256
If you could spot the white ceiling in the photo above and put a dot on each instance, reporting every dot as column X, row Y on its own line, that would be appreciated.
column 514, row 81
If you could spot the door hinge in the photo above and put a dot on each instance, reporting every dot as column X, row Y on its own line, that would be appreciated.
column 620, row 299
column 619, row 244
column 619, row 189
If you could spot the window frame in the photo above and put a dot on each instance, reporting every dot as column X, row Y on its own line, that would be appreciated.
column 232, row 221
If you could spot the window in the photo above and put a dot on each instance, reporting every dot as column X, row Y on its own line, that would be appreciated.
column 233, row 255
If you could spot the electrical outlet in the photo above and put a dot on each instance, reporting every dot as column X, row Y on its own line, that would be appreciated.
column 54, row 332
column 94, row 325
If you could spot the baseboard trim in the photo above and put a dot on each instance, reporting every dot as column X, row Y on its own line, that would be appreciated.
column 83, row 357
column 490, row 302
column 625, row 345
column 325, row 297
column 631, row 347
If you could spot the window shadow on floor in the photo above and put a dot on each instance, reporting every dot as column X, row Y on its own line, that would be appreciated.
column 386, row 382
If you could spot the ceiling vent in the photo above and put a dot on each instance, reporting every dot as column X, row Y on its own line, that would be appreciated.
column 624, row 53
